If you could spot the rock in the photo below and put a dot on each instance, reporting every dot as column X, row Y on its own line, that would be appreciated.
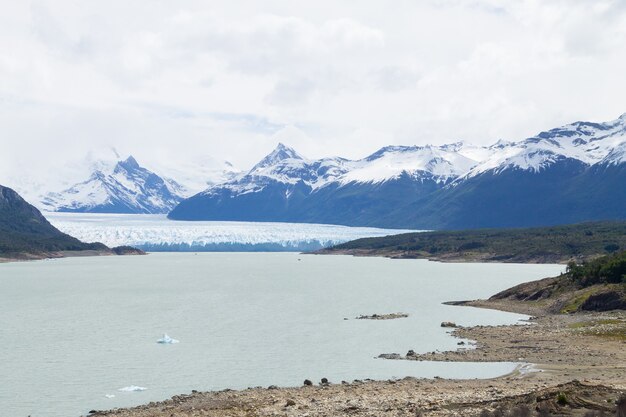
column 307, row 382
column 461, row 343
column 390, row 316
column 272, row 387
column 448, row 324
column 290, row 403
column 390, row 356
column 411, row 352
column 324, row 381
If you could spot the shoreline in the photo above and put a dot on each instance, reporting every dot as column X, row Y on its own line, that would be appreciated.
column 450, row 258
column 543, row 372
column 28, row 257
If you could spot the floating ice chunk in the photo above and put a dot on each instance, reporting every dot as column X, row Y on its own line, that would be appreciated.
column 166, row 339
column 132, row 388
column 109, row 395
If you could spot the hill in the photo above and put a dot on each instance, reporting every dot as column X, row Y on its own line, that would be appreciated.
column 535, row 245
column 26, row 234
column 597, row 285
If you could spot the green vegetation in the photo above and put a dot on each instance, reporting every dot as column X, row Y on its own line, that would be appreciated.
column 605, row 270
column 593, row 285
column 540, row 244
column 25, row 232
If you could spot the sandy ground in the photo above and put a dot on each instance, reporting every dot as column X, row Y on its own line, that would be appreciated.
column 580, row 359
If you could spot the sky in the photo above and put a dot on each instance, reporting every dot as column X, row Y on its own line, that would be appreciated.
column 172, row 81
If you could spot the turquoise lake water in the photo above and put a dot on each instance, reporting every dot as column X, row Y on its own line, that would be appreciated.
column 76, row 331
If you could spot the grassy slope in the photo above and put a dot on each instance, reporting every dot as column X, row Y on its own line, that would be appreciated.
column 541, row 244
column 597, row 285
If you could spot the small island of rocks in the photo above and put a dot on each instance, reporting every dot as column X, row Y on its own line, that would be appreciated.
column 389, row 316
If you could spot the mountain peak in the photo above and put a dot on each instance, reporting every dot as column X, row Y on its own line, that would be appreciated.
column 280, row 153
column 129, row 163
column 285, row 151
column 454, row 146
column 391, row 149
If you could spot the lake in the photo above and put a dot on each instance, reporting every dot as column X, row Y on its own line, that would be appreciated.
column 77, row 330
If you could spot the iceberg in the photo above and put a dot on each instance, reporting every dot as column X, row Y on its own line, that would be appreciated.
column 132, row 388
column 166, row 340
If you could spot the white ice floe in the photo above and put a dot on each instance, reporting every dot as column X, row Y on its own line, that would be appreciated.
column 109, row 395
column 166, row 340
column 132, row 388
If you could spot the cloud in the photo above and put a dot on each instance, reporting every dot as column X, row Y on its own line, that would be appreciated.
column 188, row 79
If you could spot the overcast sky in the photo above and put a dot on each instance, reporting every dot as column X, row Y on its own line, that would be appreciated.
column 164, row 79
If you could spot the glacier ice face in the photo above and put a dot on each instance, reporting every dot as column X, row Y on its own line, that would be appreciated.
column 157, row 233
column 166, row 340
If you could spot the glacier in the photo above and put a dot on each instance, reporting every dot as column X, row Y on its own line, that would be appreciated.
column 155, row 233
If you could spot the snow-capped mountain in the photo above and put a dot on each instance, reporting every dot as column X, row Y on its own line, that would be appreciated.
column 125, row 187
column 437, row 163
column 556, row 176
column 104, row 181
column 586, row 142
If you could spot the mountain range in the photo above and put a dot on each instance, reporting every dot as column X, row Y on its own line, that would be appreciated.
column 569, row 174
column 104, row 182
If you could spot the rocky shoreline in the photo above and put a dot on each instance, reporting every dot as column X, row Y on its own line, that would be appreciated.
column 116, row 251
column 569, row 365
column 389, row 316
column 448, row 257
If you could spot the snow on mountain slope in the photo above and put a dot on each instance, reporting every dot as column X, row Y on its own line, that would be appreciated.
column 285, row 166
column 590, row 143
column 101, row 181
column 34, row 185
column 419, row 162
column 616, row 156
column 587, row 142
column 125, row 187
